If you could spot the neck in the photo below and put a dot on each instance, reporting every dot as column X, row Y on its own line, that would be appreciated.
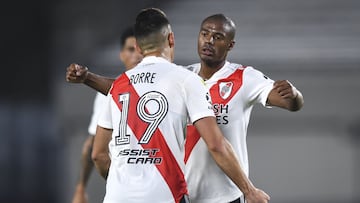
column 208, row 69
column 159, row 53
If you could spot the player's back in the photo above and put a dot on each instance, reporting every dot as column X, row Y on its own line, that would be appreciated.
column 151, row 104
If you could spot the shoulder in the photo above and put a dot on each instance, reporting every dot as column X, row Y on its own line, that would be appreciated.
column 250, row 71
column 194, row 67
column 190, row 73
column 184, row 70
column 121, row 78
column 235, row 66
column 253, row 79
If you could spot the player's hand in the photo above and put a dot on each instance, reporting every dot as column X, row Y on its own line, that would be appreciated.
column 80, row 195
column 76, row 73
column 257, row 196
column 285, row 89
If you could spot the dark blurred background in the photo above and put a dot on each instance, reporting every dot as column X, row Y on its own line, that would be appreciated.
column 309, row 156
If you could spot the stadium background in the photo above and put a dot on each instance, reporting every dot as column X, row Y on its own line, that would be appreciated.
column 309, row 156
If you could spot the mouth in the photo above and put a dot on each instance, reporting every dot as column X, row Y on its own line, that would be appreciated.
column 207, row 50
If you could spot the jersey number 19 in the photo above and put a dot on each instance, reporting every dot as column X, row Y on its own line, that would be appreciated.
column 153, row 119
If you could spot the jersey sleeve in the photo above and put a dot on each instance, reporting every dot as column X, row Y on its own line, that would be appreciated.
column 105, row 119
column 197, row 98
column 258, row 86
column 99, row 101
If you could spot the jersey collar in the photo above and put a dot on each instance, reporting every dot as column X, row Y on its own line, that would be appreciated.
column 153, row 59
column 219, row 72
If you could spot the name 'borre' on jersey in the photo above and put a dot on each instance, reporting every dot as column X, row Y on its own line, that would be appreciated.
column 143, row 77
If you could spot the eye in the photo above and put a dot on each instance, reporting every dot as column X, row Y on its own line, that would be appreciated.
column 204, row 34
column 131, row 49
column 218, row 37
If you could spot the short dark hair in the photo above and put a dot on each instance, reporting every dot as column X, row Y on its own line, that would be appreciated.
column 128, row 32
column 230, row 25
column 149, row 21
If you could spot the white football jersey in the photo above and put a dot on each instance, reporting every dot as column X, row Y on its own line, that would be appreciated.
column 234, row 90
column 148, row 109
column 99, row 103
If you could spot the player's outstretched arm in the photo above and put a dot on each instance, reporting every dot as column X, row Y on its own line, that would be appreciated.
column 285, row 95
column 222, row 152
column 100, row 153
column 76, row 73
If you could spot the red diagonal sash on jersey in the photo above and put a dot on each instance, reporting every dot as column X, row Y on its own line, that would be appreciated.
column 169, row 168
column 192, row 136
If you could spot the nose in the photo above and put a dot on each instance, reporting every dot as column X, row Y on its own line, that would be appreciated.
column 209, row 39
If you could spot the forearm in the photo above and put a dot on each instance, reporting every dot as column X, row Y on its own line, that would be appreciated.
column 227, row 161
column 99, row 83
column 100, row 154
column 87, row 163
column 102, row 164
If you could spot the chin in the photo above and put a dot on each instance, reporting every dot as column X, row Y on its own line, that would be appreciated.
column 206, row 58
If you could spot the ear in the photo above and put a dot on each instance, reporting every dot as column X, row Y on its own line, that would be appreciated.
column 231, row 45
column 138, row 48
column 171, row 39
column 121, row 55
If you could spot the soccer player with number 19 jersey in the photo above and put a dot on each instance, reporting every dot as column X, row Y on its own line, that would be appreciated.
column 148, row 130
